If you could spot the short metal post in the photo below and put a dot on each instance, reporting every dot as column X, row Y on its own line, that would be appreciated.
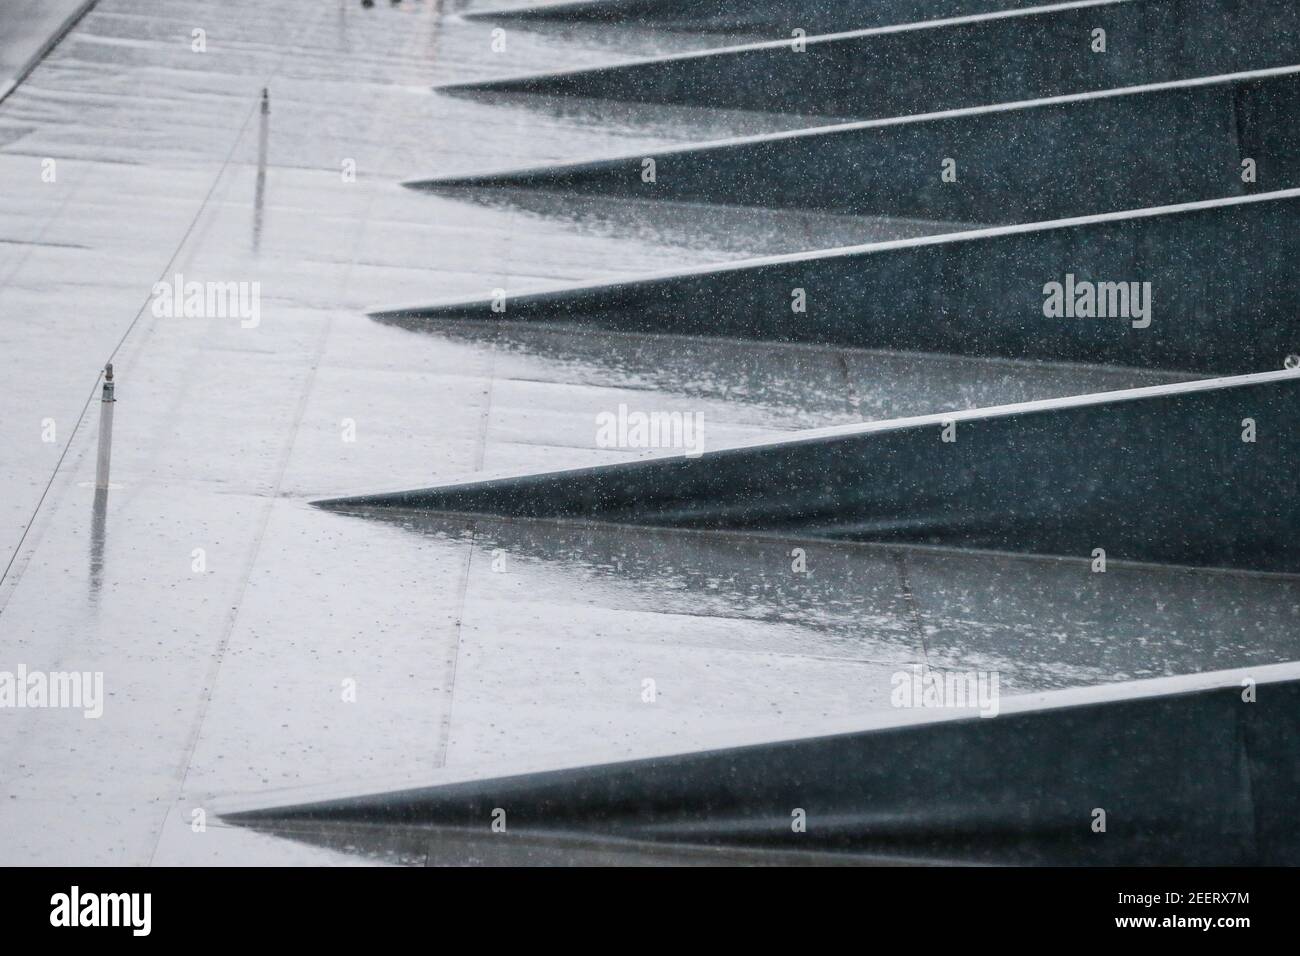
column 105, row 430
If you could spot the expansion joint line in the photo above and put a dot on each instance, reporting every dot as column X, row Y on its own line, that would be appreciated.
column 913, row 608
column 453, row 663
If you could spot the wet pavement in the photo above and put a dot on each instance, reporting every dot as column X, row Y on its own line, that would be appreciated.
column 251, row 642
column 30, row 28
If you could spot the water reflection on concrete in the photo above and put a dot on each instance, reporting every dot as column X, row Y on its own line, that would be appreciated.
column 732, row 231
column 259, row 196
column 98, row 529
column 387, row 843
column 1041, row 623
column 774, row 386
column 688, row 123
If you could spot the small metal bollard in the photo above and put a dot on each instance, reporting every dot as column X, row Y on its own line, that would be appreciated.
column 106, row 403
column 1291, row 362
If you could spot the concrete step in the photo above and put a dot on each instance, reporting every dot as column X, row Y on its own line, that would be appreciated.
column 930, row 783
column 971, row 61
column 1023, row 162
column 1060, row 476
column 1221, row 295
column 770, row 17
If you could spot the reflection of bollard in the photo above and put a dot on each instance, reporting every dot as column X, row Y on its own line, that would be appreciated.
column 105, row 429
column 259, row 193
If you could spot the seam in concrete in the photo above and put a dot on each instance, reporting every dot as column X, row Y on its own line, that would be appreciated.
column 913, row 606
column 219, row 652
column 444, row 736
column 250, row 561
column 46, row 49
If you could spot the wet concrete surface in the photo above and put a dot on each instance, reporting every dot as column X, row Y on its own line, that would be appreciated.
column 236, row 678
column 30, row 28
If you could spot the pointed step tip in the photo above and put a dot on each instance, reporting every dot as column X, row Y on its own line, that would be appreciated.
column 406, row 316
column 435, row 183
column 490, row 13
column 410, row 316
column 544, row 11
column 367, row 502
column 456, row 183
column 331, row 504
column 561, row 83
column 422, row 499
column 465, row 87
